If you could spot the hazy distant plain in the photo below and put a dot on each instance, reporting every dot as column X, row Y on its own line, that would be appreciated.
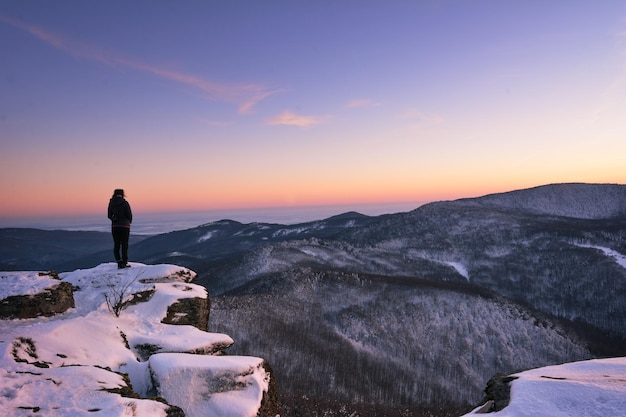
column 156, row 223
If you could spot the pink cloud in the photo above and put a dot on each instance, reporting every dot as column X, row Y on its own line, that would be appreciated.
column 246, row 96
column 288, row 118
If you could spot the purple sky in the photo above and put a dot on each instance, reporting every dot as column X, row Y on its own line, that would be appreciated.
column 234, row 104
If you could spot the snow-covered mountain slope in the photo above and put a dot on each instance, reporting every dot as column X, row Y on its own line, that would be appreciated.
column 567, row 268
column 388, row 340
column 212, row 241
column 594, row 388
column 552, row 264
column 91, row 360
column 583, row 201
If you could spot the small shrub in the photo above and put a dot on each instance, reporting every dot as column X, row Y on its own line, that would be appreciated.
column 119, row 296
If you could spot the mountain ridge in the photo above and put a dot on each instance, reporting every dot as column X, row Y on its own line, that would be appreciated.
column 577, row 200
column 560, row 271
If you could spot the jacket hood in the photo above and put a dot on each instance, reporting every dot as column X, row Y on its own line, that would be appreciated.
column 117, row 200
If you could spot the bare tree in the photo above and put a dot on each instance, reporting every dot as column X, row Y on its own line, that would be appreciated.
column 119, row 296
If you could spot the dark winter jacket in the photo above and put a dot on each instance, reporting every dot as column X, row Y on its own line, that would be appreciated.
column 119, row 212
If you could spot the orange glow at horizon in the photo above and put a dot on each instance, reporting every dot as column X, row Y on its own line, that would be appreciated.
column 51, row 202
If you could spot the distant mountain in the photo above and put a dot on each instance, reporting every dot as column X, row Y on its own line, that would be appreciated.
column 582, row 201
column 442, row 297
column 34, row 249
column 568, row 267
column 214, row 241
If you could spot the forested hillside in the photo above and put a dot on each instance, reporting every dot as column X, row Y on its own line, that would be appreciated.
column 373, row 339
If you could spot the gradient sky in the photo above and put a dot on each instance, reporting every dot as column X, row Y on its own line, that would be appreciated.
column 230, row 104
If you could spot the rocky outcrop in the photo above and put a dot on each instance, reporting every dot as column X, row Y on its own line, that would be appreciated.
column 593, row 387
column 270, row 404
column 192, row 311
column 153, row 356
column 56, row 298
column 498, row 394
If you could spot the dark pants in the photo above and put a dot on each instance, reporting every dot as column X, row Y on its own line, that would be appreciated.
column 120, row 239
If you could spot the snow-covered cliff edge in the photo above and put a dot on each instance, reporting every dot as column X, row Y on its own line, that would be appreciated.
column 117, row 351
column 593, row 388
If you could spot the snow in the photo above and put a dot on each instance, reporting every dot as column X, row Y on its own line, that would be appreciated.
column 460, row 268
column 53, row 392
column 287, row 232
column 299, row 229
column 619, row 258
column 24, row 283
column 593, row 388
column 71, row 364
column 222, row 385
column 206, row 236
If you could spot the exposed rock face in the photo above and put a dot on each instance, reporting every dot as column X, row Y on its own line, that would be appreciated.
column 498, row 393
column 192, row 311
column 53, row 300
column 270, row 405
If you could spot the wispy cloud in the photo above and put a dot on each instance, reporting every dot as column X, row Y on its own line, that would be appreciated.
column 353, row 104
column 245, row 96
column 288, row 118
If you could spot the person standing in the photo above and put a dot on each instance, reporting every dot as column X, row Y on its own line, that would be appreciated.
column 121, row 217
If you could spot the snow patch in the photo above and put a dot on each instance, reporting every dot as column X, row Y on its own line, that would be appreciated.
column 298, row 230
column 211, row 386
column 206, row 236
column 619, row 258
column 594, row 388
column 24, row 283
column 460, row 268
column 287, row 232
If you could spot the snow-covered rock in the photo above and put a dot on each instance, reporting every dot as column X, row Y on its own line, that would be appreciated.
column 33, row 294
column 211, row 385
column 593, row 388
column 114, row 350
